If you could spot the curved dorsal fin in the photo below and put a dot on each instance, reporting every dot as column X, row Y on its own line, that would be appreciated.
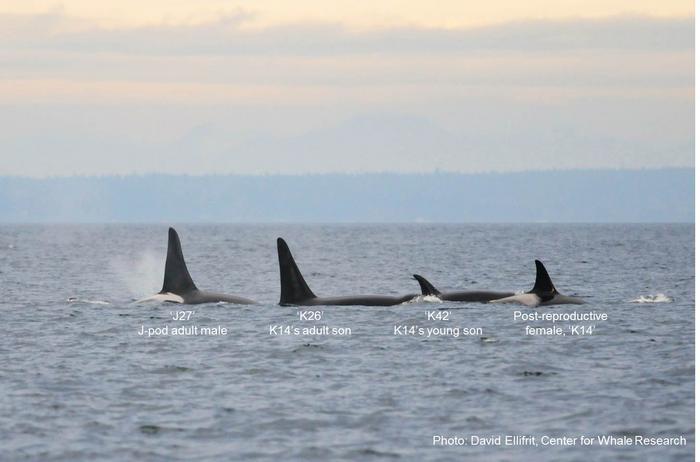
column 543, row 283
column 426, row 287
column 294, row 288
column 177, row 279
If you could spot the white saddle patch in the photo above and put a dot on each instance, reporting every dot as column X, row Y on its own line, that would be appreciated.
column 524, row 299
column 166, row 297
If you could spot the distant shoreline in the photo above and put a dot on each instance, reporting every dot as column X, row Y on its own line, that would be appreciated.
column 566, row 196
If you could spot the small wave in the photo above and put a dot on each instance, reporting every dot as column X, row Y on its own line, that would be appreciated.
column 658, row 298
column 536, row 373
column 170, row 369
column 371, row 452
column 150, row 429
column 306, row 345
column 88, row 302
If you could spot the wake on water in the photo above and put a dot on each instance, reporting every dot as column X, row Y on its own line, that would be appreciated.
column 423, row 299
column 658, row 298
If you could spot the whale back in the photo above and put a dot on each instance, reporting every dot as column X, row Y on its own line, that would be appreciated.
column 177, row 279
column 293, row 286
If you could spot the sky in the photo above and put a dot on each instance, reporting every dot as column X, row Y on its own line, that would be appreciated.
column 265, row 87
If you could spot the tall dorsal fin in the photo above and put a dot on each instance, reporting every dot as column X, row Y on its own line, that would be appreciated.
column 294, row 288
column 177, row 279
column 426, row 287
column 543, row 283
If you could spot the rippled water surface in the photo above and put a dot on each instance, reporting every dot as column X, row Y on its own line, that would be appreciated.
column 78, row 382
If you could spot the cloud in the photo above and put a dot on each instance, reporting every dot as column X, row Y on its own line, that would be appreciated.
column 53, row 57
column 230, row 36
column 77, row 98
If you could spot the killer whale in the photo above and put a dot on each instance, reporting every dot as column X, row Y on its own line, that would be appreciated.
column 295, row 291
column 459, row 296
column 178, row 286
column 542, row 293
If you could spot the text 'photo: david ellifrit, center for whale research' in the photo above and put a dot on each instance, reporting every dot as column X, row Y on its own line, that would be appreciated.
column 347, row 231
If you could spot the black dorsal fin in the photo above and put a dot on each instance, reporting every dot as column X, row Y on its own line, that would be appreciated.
column 543, row 283
column 294, row 288
column 426, row 287
column 177, row 279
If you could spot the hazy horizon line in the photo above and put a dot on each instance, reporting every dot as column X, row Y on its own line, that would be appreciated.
column 349, row 174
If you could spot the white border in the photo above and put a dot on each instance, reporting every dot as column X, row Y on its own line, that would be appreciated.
column 697, row 266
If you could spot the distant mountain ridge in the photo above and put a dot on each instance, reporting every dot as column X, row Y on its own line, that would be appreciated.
column 658, row 195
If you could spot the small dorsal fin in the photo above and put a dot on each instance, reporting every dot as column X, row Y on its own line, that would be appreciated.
column 177, row 279
column 543, row 283
column 294, row 288
column 426, row 287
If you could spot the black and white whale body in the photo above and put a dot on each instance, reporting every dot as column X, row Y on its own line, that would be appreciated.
column 543, row 293
column 295, row 291
column 462, row 296
column 178, row 286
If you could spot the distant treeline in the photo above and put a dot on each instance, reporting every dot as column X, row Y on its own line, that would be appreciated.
column 664, row 195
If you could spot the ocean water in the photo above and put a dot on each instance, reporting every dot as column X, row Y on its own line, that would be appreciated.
column 78, row 382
